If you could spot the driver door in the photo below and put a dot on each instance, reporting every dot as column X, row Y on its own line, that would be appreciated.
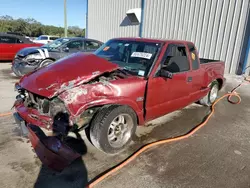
column 165, row 95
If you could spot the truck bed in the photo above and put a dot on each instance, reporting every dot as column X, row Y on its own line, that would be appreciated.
column 203, row 61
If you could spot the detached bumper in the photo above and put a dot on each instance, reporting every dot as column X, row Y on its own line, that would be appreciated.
column 50, row 150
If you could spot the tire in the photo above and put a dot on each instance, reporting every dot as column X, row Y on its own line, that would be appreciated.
column 112, row 128
column 45, row 62
column 212, row 95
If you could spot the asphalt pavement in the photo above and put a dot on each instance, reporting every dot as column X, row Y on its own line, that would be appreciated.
column 216, row 156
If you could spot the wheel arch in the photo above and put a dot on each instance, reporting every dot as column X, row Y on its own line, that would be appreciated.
column 220, row 81
column 97, row 108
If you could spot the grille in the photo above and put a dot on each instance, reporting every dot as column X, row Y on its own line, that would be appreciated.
column 44, row 105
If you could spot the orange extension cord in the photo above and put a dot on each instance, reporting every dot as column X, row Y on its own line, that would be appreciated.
column 5, row 114
column 229, row 96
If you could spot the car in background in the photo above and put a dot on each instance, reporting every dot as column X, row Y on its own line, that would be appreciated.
column 10, row 44
column 29, row 59
column 45, row 39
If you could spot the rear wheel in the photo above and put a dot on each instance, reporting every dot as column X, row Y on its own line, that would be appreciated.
column 212, row 95
column 112, row 128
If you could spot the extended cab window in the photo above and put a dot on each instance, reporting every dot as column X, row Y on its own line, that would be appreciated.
column 194, row 58
column 175, row 59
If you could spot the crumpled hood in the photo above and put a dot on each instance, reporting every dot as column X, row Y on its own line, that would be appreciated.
column 65, row 74
column 29, row 50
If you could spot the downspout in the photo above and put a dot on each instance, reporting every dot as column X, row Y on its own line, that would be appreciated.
column 142, row 17
column 247, row 56
column 87, row 12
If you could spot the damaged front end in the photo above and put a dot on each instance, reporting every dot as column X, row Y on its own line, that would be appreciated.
column 47, row 122
column 51, row 103
column 35, row 113
column 38, row 110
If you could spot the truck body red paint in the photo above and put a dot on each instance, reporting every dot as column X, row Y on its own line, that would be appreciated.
column 85, row 82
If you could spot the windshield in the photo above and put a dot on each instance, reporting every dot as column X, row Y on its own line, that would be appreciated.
column 136, row 57
column 56, row 43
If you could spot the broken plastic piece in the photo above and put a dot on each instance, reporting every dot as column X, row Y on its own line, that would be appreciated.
column 52, row 152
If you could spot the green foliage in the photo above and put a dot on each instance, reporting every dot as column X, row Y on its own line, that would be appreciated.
column 33, row 28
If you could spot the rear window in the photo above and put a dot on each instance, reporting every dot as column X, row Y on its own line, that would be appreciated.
column 42, row 38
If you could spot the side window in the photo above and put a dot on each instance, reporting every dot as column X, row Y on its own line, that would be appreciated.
column 91, row 45
column 53, row 38
column 19, row 41
column 77, row 45
column 175, row 59
column 194, row 57
column 6, row 39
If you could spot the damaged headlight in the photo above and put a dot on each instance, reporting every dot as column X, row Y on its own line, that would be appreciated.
column 18, row 88
column 33, row 58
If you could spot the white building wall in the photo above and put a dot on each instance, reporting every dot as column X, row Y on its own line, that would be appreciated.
column 216, row 27
column 107, row 19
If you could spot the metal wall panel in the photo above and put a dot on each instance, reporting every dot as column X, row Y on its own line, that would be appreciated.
column 107, row 19
column 216, row 26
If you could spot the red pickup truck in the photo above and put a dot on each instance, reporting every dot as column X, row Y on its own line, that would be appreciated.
column 125, row 83
column 10, row 44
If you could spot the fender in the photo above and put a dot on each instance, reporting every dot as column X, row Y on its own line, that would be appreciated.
column 109, row 101
column 211, row 75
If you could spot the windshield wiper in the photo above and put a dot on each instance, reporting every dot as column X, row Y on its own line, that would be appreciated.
column 125, row 71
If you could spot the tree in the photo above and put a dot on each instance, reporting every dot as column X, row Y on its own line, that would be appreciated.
column 32, row 27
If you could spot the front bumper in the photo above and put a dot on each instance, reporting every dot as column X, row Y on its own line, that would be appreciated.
column 52, row 152
column 21, row 68
column 32, row 116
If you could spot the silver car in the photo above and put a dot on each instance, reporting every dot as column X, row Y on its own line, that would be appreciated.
column 29, row 59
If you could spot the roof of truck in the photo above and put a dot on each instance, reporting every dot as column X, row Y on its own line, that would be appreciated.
column 152, row 40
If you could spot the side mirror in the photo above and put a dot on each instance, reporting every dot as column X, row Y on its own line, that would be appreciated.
column 65, row 49
column 166, row 74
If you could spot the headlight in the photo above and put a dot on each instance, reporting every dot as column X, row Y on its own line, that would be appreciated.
column 17, row 87
column 33, row 56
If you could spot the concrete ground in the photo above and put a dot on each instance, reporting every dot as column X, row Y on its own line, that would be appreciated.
column 216, row 156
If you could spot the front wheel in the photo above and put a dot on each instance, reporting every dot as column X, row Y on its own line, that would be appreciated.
column 112, row 128
column 212, row 95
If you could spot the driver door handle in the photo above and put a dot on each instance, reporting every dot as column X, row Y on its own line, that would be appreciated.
column 189, row 79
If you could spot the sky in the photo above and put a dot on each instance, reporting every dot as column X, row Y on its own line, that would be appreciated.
column 48, row 12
